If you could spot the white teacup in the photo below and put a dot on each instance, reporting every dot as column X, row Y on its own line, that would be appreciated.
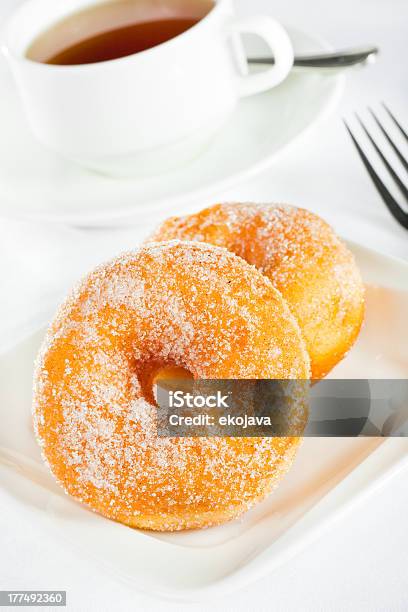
column 146, row 112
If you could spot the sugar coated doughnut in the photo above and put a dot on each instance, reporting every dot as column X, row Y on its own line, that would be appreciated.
column 304, row 259
column 171, row 305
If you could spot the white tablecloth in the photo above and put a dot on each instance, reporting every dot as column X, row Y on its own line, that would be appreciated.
column 362, row 564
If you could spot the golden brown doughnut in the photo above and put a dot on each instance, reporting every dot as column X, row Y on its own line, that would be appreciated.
column 304, row 259
column 167, row 305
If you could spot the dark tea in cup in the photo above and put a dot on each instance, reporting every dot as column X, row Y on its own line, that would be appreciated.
column 116, row 29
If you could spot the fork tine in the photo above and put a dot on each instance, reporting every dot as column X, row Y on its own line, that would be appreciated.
column 399, row 126
column 386, row 163
column 394, row 146
column 400, row 215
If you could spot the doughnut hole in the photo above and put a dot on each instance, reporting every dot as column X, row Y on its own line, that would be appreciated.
column 154, row 373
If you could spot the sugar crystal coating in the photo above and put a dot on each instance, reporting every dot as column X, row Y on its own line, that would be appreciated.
column 189, row 304
column 301, row 255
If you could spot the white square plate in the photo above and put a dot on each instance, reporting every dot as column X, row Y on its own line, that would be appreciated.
column 198, row 564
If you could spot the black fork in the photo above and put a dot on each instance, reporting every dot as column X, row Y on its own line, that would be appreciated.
column 393, row 206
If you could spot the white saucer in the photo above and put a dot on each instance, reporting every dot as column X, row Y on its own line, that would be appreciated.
column 35, row 183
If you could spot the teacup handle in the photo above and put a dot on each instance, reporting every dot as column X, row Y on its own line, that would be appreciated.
column 278, row 40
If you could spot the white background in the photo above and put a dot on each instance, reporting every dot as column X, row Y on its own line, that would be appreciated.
column 362, row 563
